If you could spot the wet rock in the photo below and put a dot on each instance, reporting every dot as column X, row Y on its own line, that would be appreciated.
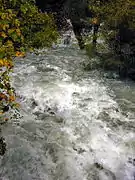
column 47, row 111
column 88, row 99
column 131, row 161
column 75, row 94
column 49, row 69
column 5, row 108
column 34, row 103
column 2, row 146
column 79, row 150
column 50, row 111
column 106, row 171
column 98, row 166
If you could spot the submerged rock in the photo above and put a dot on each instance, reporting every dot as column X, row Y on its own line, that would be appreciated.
column 104, row 172
column 79, row 150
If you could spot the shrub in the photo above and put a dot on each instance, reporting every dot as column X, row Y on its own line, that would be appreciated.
column 22, row 27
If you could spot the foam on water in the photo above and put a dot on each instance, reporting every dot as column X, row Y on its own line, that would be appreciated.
column 81, row 139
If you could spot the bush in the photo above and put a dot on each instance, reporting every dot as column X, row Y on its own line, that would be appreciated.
column 117, row 19
column 22, row 27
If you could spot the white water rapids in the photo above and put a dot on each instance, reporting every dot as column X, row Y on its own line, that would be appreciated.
column 75, row 125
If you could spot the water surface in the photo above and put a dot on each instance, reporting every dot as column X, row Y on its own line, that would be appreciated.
column 75, row 125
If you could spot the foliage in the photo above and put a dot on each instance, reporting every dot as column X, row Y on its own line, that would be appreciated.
column 117, row 26
column 113, row 13
column 37, row 28
column 22, row 27
column 10, row 35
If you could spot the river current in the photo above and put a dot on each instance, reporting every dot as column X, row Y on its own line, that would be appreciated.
column 74, row 124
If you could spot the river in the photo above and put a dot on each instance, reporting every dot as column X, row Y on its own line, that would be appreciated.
column 74, row 124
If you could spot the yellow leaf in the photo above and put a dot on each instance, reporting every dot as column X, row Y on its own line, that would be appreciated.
column 6, row 63
column 10, row 43
column 1, row 62
column 95, row 21
column 12, row 98
column 20, row 54
column 18, row 32
column 2, row 34
column 10, row 31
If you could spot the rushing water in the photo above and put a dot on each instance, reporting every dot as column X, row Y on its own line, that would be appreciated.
column 75, row 125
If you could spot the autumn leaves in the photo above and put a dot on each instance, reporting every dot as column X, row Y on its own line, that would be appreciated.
column 10, row 37
column 22, row 27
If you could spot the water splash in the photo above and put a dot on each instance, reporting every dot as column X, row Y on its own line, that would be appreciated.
column 72, row 128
